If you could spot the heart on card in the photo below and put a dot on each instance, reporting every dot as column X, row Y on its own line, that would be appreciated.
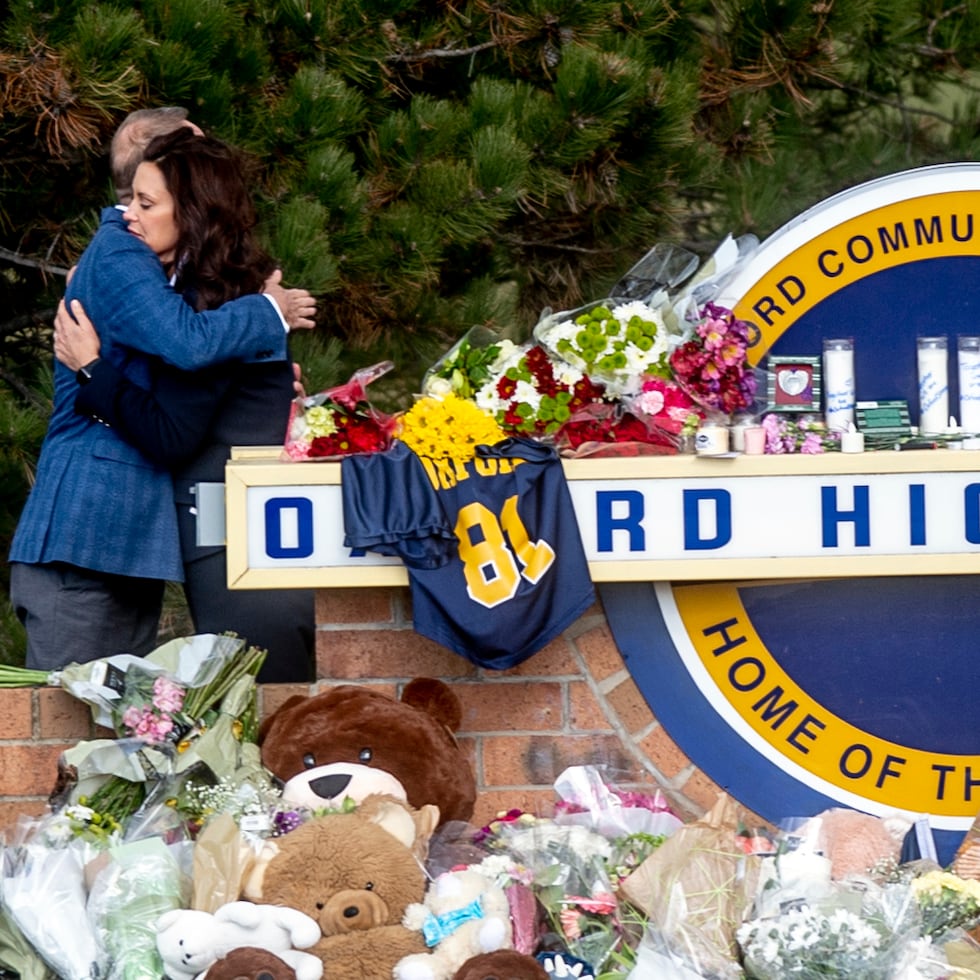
column 793, row 381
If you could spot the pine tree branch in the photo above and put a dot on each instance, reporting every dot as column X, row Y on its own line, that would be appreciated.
column 31, row 397
column 540, row 243
column 17, row 259
column 17, row 324
column 442, row 53
column 904, row 108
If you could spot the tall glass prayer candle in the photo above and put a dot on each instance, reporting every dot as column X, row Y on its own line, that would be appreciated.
column 933, row 385
column 838, row 383
column 968, row 361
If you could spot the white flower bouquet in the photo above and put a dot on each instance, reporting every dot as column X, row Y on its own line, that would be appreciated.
column 615, row 343
column 44, row 893
column 861, row 931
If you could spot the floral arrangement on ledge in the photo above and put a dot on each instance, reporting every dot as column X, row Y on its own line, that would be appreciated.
column 532, row 394
column 713, row 365
column 615, row 344
column 339, row 421
column 447, row 427
column 614, row 378
column 807, row 434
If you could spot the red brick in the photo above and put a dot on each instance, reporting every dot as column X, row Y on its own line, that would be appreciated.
column 272, row 696
column 663, row 753
column 13, row 809
column 602, row 656
column 355, row 606
column 16, row 716
column 29, row 770
column 630, row 707
column 702, row 791
column 586, row 713
column 556, row 658
column 403, row 653
column 508, row 706
column 535, row 760
column 61, row 715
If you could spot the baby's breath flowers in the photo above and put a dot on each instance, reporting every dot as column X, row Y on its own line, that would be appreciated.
column 811, row 943
column 447, row 428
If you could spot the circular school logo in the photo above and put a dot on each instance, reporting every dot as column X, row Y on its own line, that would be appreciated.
column 799, row 695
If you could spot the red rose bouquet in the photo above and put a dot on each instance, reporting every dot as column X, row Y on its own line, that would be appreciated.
column 339, row 421
column 605, row 429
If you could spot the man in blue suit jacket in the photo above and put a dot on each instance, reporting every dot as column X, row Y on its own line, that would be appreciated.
column 97, row 538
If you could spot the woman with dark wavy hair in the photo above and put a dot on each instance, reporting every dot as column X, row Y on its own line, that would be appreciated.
column 215, row 257
column 191, row 205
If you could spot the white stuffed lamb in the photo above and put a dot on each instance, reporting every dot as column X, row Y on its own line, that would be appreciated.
column 190, row 941
column 464, row 913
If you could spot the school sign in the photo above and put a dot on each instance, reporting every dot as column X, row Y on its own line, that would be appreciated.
column 803, row 627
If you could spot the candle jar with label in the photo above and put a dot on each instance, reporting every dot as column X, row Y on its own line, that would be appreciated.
column 711, row 439
column 838, row 383
column 968, row 363
column 932, row 364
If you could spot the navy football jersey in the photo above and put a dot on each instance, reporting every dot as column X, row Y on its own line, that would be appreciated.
column 505, row 573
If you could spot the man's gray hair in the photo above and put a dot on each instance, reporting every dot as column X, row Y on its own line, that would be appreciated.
column 132, row 138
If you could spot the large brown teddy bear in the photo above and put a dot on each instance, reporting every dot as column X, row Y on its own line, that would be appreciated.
column 353, row 741
column 355, row 873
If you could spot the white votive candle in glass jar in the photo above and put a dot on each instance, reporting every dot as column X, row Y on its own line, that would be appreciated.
column 968, row 362
column 851, row 441
column 933, row 385
column 838, row 383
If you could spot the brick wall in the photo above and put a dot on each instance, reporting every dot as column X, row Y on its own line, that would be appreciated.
column 572, row 703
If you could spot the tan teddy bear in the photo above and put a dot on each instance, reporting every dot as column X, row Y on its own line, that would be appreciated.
column 354, row 873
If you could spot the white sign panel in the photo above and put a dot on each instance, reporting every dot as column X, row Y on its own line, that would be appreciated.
column 729, row 520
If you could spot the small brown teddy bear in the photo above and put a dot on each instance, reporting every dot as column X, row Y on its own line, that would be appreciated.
column 250, row 963
column 353, row 741
column 504, row 964
column 355, row 873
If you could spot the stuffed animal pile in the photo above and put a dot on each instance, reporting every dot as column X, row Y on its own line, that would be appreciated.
column 355, row 874
column 377, row 775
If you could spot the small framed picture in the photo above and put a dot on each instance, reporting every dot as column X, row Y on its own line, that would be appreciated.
column 794, row 384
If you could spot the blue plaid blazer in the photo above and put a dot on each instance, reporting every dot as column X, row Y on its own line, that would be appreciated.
column 97, row 503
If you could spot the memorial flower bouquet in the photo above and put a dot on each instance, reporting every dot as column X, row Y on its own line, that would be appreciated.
column 865, row 931
column 712, row 367
column 339, row 421
column 614, row 343
column 44, row 892
column 610, row 429
column 565, row 867
column 189, row 702
column 946, row 902
column 533, row 394
column 469, row 364
column 447, row 427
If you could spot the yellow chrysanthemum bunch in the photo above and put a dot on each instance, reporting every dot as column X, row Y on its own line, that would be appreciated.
column 449, row 427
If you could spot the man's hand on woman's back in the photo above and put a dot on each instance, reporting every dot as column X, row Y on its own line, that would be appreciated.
column 298, row 306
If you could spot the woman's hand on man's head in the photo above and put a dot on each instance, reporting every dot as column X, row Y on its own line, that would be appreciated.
column 298, row 306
